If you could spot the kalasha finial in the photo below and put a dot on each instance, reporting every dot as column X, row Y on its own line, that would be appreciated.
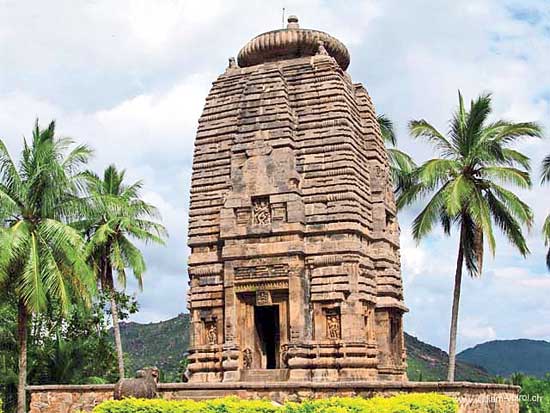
column 292, row 22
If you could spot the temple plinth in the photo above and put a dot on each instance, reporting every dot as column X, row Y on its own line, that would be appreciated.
column 294, row 268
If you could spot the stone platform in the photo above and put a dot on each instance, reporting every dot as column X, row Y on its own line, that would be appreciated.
column 472, row 397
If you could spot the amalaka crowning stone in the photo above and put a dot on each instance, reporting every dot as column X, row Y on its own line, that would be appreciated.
column 294, row 268
column 291, row 43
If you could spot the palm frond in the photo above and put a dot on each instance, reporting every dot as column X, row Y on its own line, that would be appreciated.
column 459, row 195
column 430, row 215
column 387, row 129
column 507, row 223
column 133, row 259
column 513, row 157
column 421, row 128
column 77, row 158
column 507, row 175
column 480, row 109
column 519, row 209
column 511, row 132
column 30, row 287
column 434, row 172
column 545, row 176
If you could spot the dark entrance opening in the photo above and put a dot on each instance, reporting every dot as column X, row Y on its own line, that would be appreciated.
column 266, row 319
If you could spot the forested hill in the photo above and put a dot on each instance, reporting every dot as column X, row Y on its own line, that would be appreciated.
column 163, row 344
column 505, row 357
column 430, row 363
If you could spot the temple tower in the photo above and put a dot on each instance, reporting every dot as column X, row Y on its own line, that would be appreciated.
column 294, row 268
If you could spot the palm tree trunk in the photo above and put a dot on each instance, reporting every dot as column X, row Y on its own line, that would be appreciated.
column 456, row 304
column 116, row 330
column 22, row 337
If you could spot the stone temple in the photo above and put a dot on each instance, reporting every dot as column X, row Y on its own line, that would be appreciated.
column 294, row 268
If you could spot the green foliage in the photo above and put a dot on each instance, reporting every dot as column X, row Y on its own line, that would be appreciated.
column 73, row 348
column 535, row 392
column 41, row 256
column 161, row 344
column 115, row 214
column 535, row 395
column 49, row 208
column 466, row 182
column 402, row 165
column 8, row 352
column 410, row 403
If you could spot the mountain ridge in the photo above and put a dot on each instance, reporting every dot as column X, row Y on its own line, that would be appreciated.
column 505, row 357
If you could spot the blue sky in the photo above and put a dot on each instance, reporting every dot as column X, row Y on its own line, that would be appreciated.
column 130, row 77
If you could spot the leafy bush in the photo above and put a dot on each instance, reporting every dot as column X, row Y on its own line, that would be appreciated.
column 535, row 395
column 407, row 403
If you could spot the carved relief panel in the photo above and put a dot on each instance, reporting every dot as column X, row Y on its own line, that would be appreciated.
column 263, row 298
column 210, row 332
column 261, row 211
column 333, row 328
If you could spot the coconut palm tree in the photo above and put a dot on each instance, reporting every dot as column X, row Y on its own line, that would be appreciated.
column 116, row 216
column 401, row 164
column 466, row 192
column 546, row 226
column 41, row 256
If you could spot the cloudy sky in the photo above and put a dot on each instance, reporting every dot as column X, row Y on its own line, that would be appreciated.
column 130, row 77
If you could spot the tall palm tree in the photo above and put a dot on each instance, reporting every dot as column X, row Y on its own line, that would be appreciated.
column 41, row 256
column 465, row 185
column 546, row 226
column 116, row 215
column 401, row 164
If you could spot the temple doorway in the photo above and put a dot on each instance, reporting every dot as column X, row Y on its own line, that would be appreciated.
column 266, row 320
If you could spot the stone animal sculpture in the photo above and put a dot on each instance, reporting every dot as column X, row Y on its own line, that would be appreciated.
column 144, row 386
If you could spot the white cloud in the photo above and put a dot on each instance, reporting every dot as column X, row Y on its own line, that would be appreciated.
column 130, row 79
column 477, row 330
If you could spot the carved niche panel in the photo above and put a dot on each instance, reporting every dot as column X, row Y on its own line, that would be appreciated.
column 333, row 324
column 211, row 333
column 263, row 297
column 261, row 211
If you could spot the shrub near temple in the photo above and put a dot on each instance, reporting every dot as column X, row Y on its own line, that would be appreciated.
column 409, row 403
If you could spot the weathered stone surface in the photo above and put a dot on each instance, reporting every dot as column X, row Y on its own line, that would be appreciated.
column 143, row 386
column 472, row 397
column 294, row 239
column 68, row 399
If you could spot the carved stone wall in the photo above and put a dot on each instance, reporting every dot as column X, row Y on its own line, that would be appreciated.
column 292, row 208
column 471, row 397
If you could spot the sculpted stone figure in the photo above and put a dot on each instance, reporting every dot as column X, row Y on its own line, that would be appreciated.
column 247, row 358
column 144, row 386
column 212, row 334
column 333, row 324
